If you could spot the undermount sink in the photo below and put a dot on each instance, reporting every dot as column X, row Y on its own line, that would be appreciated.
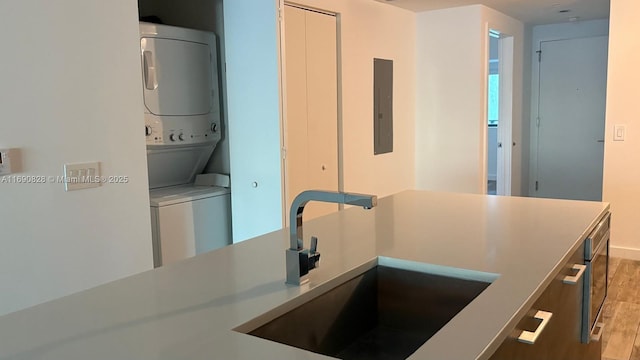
column 385, row 312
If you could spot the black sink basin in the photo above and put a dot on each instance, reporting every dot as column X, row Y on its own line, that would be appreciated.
column 383, row 313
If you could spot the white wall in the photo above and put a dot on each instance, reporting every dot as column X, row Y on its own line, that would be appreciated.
column 449, row 99
column 621, row 170
column 70, row 92
column 253, row 112
column 568, row 30
column 539, row 34
column 452, row 52
column 369, row 30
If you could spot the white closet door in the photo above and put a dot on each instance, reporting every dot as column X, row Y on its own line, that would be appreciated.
column 296, row 103
column 312, row 106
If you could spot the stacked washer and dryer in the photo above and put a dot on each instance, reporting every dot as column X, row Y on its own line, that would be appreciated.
column 182, row 128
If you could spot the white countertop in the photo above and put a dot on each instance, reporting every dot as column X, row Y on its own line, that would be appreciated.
column 187, row 310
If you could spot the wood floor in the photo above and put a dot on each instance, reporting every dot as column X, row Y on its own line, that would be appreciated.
column 621, row 312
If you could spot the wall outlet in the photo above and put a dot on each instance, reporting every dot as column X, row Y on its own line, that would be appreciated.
column 80, row 176
column 10, row 161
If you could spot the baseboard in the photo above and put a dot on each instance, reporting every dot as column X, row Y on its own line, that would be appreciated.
column 624, row 252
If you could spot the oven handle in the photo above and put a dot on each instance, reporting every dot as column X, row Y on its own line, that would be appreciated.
column 529, row 337
column 573, row 280
column 603, row 243
column 601, row 223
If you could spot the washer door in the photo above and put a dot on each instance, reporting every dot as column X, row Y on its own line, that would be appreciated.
column 177, row 78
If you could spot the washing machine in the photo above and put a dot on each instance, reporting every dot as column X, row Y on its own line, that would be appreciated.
column 181, row 102
column 187, row 220
column 182, row 128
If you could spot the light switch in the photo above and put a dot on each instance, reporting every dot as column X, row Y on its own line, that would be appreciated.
column 9, row 161
column 81, row 176
column 618, row 132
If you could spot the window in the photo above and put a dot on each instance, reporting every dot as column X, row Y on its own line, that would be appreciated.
column 493, row 90
column 494, row 102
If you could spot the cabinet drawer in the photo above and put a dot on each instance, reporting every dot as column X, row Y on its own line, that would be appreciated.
column 560, row 338
column 512, row 348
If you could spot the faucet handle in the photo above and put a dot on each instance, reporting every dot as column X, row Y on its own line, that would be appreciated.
column 314, row 255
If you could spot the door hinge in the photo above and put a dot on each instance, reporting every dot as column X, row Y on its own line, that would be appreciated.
column 284, row 153
column 280, row 14
column 538, row 121
column 536, row 185
column 539, row 55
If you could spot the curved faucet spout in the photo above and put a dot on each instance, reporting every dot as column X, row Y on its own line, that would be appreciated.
column 298, row 268
column 298, row 204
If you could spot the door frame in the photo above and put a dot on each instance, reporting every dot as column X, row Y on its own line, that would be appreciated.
column 505, row 124
column 506, row 56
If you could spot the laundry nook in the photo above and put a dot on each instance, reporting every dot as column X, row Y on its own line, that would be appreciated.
column 190, row 212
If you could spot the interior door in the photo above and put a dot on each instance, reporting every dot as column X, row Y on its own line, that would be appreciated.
column 500, row 144
column 570, row 142
column 311, row 129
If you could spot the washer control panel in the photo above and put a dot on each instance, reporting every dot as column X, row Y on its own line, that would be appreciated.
column 180, row 131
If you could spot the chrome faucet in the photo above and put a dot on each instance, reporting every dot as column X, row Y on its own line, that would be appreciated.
column 300, row 260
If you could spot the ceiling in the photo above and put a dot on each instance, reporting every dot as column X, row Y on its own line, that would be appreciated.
column 533, row 12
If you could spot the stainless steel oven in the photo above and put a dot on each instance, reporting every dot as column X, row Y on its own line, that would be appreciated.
column 596, row 280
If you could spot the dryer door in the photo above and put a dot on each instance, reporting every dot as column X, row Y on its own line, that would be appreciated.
column 177, row 77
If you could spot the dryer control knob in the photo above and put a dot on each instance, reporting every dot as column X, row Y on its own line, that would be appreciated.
column 147, row 130
column 181, row 137
column 172, row 137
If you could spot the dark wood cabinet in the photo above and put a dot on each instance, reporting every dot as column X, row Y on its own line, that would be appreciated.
column 561, row 337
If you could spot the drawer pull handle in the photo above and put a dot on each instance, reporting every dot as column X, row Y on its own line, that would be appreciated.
column 596, row 337
column 529, row 337
column 572, row 280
